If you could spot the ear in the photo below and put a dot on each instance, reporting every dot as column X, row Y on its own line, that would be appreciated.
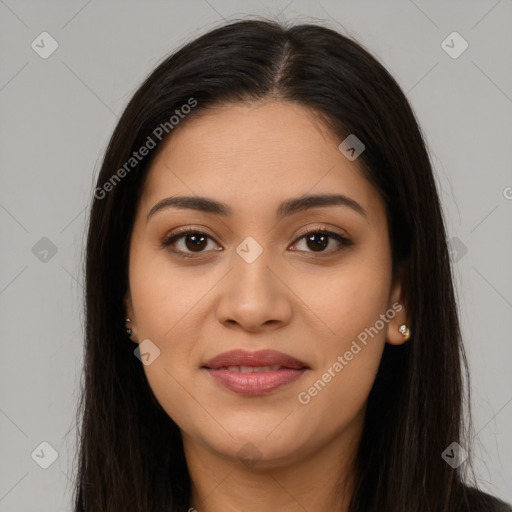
column 400, row 316
column 128, row 307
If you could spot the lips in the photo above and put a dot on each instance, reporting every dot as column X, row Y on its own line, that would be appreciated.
column 246, row 362
column 254, row 373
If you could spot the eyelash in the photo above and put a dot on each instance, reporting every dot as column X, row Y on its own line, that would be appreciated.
column 168, row 241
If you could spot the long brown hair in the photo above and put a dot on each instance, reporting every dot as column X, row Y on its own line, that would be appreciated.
column 130, row 451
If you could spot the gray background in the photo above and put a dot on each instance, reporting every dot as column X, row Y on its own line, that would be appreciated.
column 57, row 116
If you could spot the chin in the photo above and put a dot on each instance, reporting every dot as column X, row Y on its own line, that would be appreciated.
column 260, row 447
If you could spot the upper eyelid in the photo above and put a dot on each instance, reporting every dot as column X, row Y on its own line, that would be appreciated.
column 191, row 229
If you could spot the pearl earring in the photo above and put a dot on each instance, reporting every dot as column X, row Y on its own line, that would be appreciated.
column 404, row 330
column 128, row 330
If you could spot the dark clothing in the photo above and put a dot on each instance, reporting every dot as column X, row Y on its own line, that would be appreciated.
column 480, row 500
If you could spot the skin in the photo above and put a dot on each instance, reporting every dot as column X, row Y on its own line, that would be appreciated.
column 310, row 304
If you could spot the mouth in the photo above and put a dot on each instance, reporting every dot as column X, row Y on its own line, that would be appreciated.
column 254, row 373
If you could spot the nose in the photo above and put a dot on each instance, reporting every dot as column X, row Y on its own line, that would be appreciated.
column 254, row 297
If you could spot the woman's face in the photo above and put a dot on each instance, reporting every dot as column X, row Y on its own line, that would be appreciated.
column 256, row 282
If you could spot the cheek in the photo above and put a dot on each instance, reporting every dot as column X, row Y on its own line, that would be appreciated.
column 348, row 360
column 168, row 303
column 176, row 394
column 166, row 295
column 350, row 303
column 347, row 299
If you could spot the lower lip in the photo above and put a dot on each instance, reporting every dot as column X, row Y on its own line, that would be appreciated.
column 255, row 383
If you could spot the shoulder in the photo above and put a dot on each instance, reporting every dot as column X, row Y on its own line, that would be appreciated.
column 480, row 501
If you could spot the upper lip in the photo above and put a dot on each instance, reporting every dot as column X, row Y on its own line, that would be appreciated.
column 241, row 357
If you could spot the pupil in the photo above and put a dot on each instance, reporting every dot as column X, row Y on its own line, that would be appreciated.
column 318, row 246
column 195, row 238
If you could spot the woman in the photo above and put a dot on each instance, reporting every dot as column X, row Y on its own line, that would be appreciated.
column 270, row 315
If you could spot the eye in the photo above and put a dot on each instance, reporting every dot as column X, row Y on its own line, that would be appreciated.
column 318, row 240
column 196, row 241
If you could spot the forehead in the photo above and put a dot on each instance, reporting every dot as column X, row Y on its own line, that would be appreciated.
column 254, row 156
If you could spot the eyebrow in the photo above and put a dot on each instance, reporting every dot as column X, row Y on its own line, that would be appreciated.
column 288, row 207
